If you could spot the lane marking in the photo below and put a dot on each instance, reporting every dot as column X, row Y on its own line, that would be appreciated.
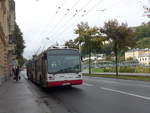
column 126, row 93
column 86, row 84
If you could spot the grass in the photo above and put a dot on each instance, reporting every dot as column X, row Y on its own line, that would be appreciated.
column 145, row 78
column 97, row 70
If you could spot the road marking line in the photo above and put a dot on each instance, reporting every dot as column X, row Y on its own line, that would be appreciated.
column 86, row 84
column 126, row 93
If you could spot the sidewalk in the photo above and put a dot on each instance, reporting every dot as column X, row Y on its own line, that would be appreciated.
column 15, row 97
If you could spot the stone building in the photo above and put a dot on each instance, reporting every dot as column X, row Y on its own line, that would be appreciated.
column 144, row 59
column 135, row 53
column 7, row 22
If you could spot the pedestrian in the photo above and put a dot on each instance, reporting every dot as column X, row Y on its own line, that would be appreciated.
column 17, row 71
column 13, row 71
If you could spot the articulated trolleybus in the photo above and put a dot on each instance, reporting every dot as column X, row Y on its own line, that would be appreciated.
column 56, row 67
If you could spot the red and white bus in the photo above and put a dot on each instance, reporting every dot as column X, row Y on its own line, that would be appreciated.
column 56, row 67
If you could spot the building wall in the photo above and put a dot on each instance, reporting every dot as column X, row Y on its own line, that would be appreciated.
column 140, row 55
column 131, row 54
column 135, row 53
column 2, row 39
column 7, row 19
column 1, row 58
column 144, row 60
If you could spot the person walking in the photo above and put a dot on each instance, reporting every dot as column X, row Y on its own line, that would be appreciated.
column 17, row 71
column 14, row 71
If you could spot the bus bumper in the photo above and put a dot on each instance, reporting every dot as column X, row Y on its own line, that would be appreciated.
column 64, row 83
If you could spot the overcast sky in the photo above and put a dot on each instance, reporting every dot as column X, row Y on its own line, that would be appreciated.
column 45, row 22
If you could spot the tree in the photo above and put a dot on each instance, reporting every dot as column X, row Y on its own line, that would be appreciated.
column 142, row 31
column 18, row 40
column 107, row 48
column 121, row 36
column 143, row 43
column 88, row 39
column 71, row 44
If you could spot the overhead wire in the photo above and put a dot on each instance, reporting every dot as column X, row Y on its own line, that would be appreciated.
column 83, row 7
column 71, row 10
column 57, row 11
column 60, row 7
column 92, row 8
column 77, row 11
column 78, row 19
column 84, row 13
column 53, row 17
column 66, row 13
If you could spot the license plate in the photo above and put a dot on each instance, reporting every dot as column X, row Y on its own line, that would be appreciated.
column 64, row 84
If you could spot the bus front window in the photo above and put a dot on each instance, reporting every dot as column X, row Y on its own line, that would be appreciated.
column 64, row 64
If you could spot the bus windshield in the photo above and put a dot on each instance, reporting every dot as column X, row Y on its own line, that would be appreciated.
column 64, row 64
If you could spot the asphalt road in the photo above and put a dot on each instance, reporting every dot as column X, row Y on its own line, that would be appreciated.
column 97, row 95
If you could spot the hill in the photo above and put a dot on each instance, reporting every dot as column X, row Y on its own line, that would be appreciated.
column 142, row 35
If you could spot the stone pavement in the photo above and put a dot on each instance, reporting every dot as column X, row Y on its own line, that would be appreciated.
column 16, row 97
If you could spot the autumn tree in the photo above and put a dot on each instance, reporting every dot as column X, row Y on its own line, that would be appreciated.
column 89, row 40
column 120, row 35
